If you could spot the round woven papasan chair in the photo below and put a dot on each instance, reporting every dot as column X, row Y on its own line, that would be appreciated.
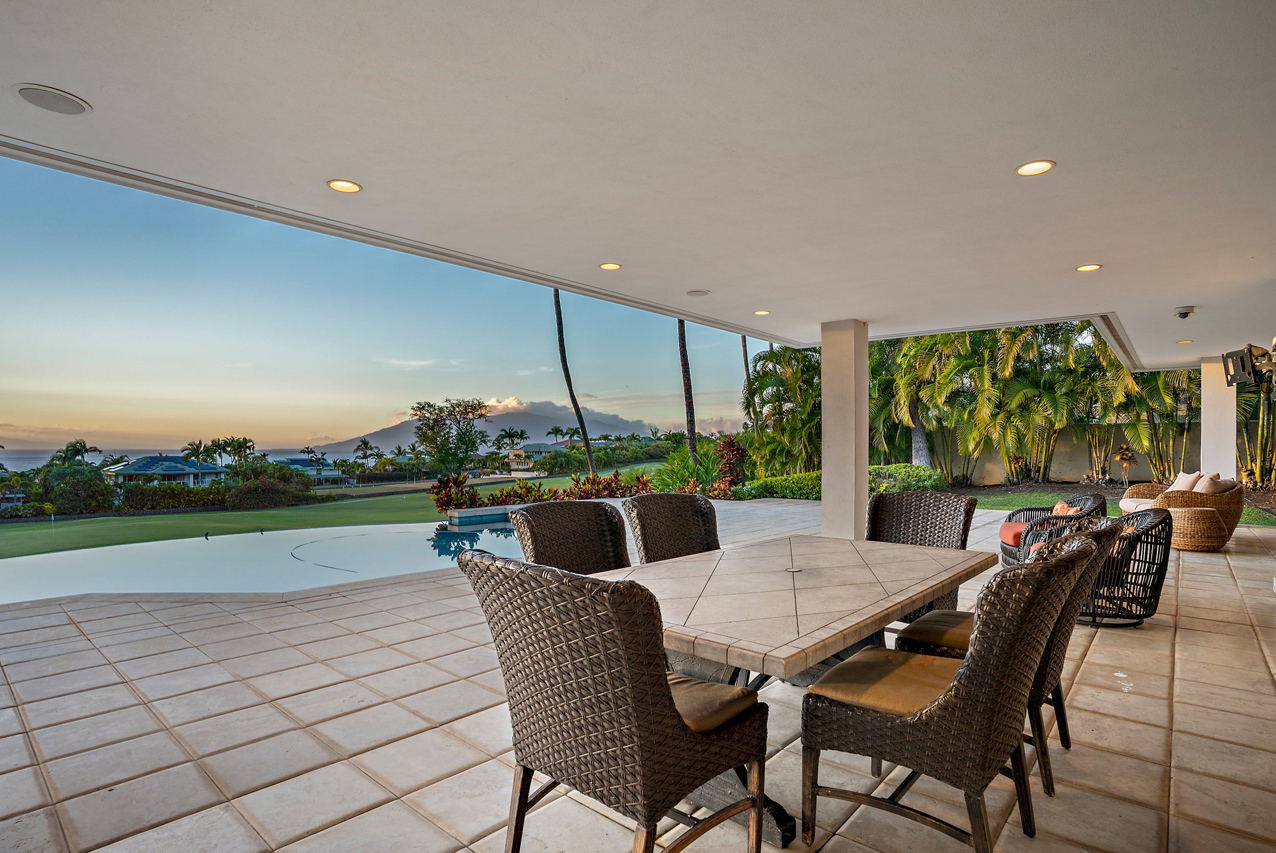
column 1202, row 522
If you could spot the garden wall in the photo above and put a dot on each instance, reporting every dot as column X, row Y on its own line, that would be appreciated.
column 1072, row 462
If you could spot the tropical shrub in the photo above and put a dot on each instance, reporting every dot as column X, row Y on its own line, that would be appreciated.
column 454, row 493
column 881, row 478
column 260, row 494
column 28, row 510
column 802, row 487
column 451, row 492
column 734, row 458
column 136, row 497
column 78, row 490
column 681, row 474
column 904, row 478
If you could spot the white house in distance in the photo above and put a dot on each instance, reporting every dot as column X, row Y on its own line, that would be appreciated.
column 523, row 458
column 164, row 469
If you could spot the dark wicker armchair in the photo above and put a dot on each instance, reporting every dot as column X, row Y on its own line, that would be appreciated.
column 937, row 519
column 947, row 632
column 585, row 537
column 1024, row 527
column 1128, row 587
column 592, row 706
column 955, row 721
column 667, row 526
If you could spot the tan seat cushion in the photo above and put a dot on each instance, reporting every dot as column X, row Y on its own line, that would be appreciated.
column 706, row 705
column 1012, row 532
column 948, row 628
column 1129, row 505
column 888, row 681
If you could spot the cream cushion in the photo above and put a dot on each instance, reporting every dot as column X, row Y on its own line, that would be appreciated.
column 1135, row 504
column 1212, row 484
column 1184, row 482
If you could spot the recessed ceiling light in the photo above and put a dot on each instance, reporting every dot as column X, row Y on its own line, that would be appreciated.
column 1036, row 167
column 1089, row 267
column 697, row 293
column 762, row 313
column 343, row 186
column 53, row 100
column 1183, row 342
column 609, row 266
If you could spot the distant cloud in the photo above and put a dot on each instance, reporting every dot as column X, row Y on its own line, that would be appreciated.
column 399, row 362
column 547, row 408
column 533, row 371
column 587, row 396
column 241, row 364
column 707, row 425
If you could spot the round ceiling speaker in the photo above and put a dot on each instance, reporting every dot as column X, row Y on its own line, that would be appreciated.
column 53, row 100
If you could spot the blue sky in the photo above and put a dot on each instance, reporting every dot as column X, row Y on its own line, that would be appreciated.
column 132, row 319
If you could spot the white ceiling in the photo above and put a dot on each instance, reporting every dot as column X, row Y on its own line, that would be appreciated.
column 823, row 160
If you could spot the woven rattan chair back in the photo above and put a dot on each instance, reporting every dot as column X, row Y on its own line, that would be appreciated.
column 1128, row 585
column 1015, row 615
column 589, row 699
column 583, row 537
column 667, row 526
column 1102, row 532
column 936, row 519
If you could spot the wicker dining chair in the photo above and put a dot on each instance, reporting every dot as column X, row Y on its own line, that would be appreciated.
column 936, row 519
column 948, row 632
column 1128, row 588
column 667, row 526
column 592, row 706
column 1024, row 520
column 584, row 537
column 955, row 721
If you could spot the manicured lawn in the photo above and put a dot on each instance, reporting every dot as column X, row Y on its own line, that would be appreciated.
column 18, row 540
column 39, row 538
column 1008, row 502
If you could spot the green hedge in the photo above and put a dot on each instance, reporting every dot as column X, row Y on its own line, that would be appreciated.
column 881, row 478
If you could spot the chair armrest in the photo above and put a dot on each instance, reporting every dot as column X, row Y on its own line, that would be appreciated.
column 1029, row 513
column 1185, row 500
column 1143, row 491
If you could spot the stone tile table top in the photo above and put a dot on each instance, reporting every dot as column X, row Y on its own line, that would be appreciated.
column 782, row 605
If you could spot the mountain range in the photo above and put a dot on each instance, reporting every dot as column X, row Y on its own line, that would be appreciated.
column 536, row 417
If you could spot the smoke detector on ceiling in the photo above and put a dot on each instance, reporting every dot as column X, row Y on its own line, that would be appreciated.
column 1184, row 311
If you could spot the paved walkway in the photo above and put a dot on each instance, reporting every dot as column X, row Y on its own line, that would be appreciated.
column 371, row 718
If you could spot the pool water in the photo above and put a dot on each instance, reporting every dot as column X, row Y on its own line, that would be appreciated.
column 496, row 540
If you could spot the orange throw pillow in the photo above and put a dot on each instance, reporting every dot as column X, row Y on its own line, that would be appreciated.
column 1062, row 508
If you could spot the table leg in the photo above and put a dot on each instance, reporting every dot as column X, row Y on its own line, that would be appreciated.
column 778, row 826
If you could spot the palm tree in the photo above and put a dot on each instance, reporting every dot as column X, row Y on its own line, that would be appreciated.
column 784, row 392
column 687, row 395
column 200, row 453
column 655, row 433
column 365, row 450
column 75, row 451
column 218, row 446
column 571, row 434
column 556, row 432
column 113, row 459
column 567, row 377
column 744, row 351
column 307, row 452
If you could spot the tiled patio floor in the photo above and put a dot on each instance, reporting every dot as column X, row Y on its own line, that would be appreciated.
column 370, row 718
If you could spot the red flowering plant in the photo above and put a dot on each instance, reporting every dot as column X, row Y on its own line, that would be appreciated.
column 451, row 492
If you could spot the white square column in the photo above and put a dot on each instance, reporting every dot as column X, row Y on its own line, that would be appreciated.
column 844, row 428
column 1218, row 420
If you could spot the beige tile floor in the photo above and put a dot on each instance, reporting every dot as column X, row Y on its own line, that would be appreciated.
column 370, row 718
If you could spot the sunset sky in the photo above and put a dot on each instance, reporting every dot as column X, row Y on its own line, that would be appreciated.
column 133, row 320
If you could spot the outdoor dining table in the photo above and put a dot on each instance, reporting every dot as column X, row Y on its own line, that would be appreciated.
column 777, row 607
